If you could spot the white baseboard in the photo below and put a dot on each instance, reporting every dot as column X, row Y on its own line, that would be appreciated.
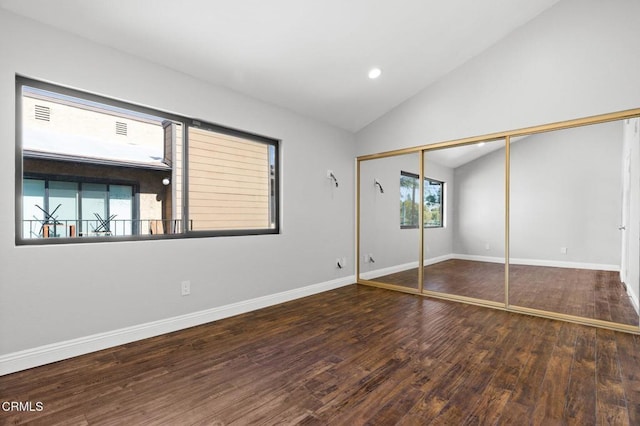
column 46, row 354
column 488, row 259
column 563, row 264
column 540, row 262
column 438, row 259
column 403, row 267
column 386, row 271
column 491, row 259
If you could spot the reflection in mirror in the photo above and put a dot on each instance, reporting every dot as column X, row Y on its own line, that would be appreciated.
column 389, row 208
column 574, row 229
column 464, row 220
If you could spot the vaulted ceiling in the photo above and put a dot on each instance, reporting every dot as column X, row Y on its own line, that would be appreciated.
column 308, row 56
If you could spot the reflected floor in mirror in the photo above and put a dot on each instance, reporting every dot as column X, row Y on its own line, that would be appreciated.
column 480, row 280
column 580, row 292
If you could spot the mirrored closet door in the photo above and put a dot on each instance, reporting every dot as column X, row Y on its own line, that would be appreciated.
column 573, row 237
column 543, row 220
column 464, row 221
column 388, row 224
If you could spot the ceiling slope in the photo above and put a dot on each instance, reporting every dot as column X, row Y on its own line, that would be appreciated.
column 311, row 57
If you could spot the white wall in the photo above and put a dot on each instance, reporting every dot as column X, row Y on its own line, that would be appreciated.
column 578, row 58
column 50, row 294
column 478, row 221
column 565, row 192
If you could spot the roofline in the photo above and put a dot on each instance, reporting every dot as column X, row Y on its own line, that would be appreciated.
column 43, row 155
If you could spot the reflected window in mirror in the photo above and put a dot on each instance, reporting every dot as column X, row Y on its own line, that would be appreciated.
column 433, row 207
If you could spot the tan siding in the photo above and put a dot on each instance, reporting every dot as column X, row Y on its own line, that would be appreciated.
column 204, row 184
column 250, row 151
column 214, row 167
column 229, row 223
column 238, row 213
column 238, row 158
column 222, row 196
column 258, row 203
column 255, row 176
column 228, row 182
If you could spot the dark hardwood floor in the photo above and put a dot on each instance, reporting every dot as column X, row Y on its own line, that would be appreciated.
column 481, row 280
column 352, row 356
column 580, row 292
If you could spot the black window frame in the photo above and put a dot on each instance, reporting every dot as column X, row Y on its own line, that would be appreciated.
column 442, row 189
column 183, row 204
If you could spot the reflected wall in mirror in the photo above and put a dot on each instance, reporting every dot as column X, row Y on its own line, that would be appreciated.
column 574, row 228
column 389, row 208
column 464, row 252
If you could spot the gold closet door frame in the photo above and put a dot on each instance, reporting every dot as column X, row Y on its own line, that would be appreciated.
column 506, row 136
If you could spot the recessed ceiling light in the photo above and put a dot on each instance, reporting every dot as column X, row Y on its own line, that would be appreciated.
column 375, row 73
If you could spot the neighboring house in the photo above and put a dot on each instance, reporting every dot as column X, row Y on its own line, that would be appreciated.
column 90, row 169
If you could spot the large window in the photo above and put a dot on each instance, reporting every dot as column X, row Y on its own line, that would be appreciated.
column 433, row 207
column 95, row 167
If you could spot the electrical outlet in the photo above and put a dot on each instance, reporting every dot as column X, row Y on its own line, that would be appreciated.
column 563, row 250
column 344, row 261
column 487, row 246
column 339, row 264
column 329, row 173
column 365, row 258
column 186, row 288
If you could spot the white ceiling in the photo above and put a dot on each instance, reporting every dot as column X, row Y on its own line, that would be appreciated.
column 309, row 56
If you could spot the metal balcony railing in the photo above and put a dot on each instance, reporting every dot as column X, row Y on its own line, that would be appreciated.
column 60, row 228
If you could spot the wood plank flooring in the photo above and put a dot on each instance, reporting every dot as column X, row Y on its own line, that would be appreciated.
column 580, row 292
column 352, row 356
